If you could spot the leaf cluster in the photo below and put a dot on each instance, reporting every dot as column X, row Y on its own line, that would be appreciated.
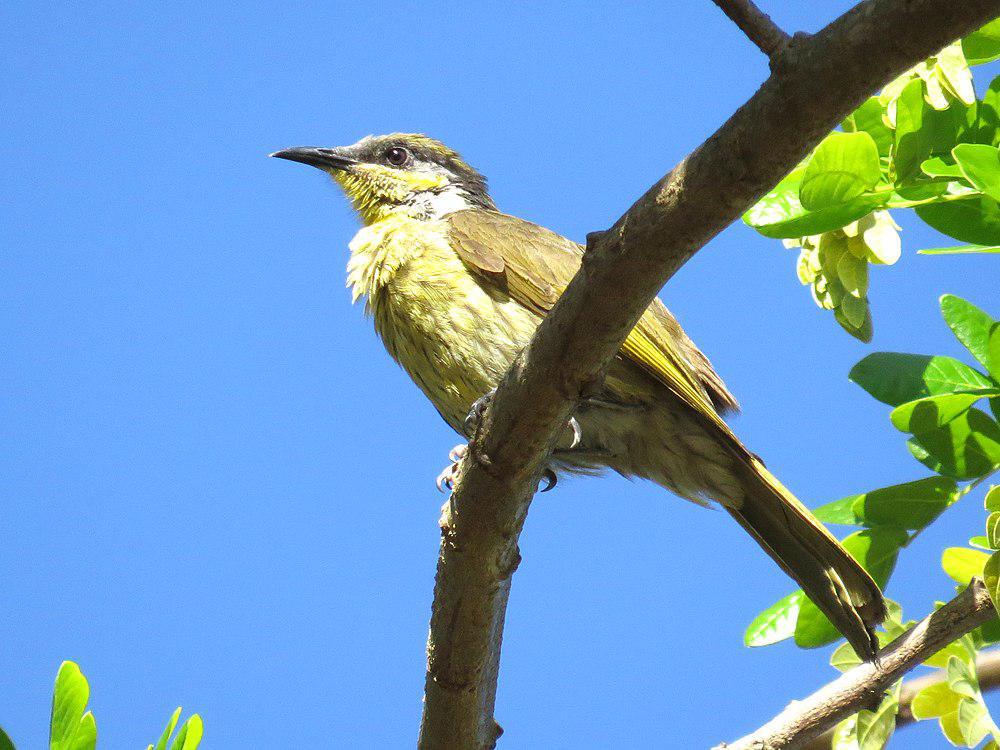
column 927, row 143
column 934, row 400
column 72, row 727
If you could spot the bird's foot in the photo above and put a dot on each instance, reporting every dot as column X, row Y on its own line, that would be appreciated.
column 475, row 416
column 449, row 476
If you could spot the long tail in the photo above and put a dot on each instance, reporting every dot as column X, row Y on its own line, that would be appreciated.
column 811, row 555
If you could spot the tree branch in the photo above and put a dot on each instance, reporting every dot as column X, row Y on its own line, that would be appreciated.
column 817, row 82
column 756, row 24
column 987, row 671
column 807, row 719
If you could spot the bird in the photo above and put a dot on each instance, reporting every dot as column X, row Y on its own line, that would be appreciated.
column 456, row 289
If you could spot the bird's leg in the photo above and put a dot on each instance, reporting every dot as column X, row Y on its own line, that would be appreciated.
column 449, row 475
column 473, row 420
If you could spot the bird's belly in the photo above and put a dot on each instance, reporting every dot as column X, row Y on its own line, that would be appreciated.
column 453, row 338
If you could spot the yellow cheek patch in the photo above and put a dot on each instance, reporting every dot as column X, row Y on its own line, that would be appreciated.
column 375, row 190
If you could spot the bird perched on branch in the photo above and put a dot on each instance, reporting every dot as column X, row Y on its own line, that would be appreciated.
column 456, row 289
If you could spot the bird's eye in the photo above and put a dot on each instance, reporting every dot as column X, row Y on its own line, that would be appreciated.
column 397, row 156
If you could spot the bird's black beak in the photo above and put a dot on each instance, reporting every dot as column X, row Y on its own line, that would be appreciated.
column 321, row 158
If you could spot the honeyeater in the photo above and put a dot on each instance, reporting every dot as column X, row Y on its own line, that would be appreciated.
column 456, row 289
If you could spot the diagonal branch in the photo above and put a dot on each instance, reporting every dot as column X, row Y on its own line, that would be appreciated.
column 817, row 81
column 987, row 672
column 756, row 24
column 807, row 719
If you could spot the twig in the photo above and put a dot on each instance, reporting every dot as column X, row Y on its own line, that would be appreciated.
column 987, row 671
column 816, row 85
column 756, row 24
column 862, row 686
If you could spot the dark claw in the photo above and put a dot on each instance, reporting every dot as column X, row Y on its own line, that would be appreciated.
column 550, row 479
column 477, row 411
column 444, row 479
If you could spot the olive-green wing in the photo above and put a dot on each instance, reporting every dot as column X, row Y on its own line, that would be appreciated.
column 534, row 265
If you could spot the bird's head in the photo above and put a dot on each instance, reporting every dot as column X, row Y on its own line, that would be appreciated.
column 402, row 174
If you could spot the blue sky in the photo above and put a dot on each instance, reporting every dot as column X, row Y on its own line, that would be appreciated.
column 218, row 489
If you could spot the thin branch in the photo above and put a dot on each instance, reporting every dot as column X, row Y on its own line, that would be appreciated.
column 756, row 24
column 818, row 82
column 859, row 688
column 987, row 671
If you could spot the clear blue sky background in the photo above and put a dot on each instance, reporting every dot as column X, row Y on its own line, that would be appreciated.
column 218, row 489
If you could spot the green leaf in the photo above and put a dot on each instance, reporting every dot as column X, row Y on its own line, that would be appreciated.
column 869, row 730
column 776, row 623
column 970, row 325
column 935, row 700
column 86, row 735
column 6, row 743
column 931, row 412
column 844, row 657
column 876, row 549
column 960, row 250
column 988, row 632
column 974, row 721
column 911, row 505
column 952, row 71
column 842, row 168
column 991, row 576
column 983, row 46
column 975, row 219
column 69, row 699
column 987, row 127
column 938, row 167
column 962, row 648
column 993, row 530
column 189, row 736
column 868, row 119
column 962, row 563
column 913, row 143
column 841, row 511
column 992, row 500
column 855, row 318
column 941, row 702
column 879, row 238
column 895, row 378
column 853, row 274
column 781, row 216
column 874, row 728
column 993, row 353
column 981, row 166
column 980, row 541
column 161, row 744
column 967, row 447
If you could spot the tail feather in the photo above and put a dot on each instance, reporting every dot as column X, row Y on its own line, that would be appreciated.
column 812, row 556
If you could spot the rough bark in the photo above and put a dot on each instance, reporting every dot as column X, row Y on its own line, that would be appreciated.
column 814, row 83
column 756, row 24
column 862, row 686
column 987, row 670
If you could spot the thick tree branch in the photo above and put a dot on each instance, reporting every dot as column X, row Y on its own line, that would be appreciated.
column 756, row 24
column 807, row 719
column 814, row 83
column 987, row 670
